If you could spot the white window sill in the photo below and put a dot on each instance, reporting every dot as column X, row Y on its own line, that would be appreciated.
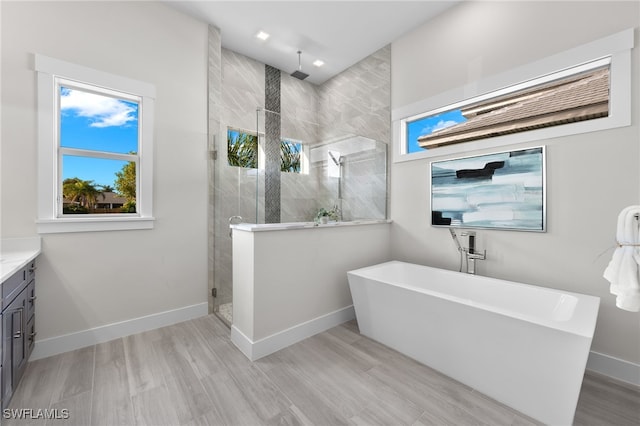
column 93, row 224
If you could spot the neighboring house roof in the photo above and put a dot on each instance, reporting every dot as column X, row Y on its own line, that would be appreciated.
column 109, row 198
column 577, row 99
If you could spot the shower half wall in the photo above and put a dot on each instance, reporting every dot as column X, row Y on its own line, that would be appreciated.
column 303, row 109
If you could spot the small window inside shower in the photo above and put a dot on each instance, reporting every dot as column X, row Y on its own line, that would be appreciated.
column 243, row 150
column 295, row 156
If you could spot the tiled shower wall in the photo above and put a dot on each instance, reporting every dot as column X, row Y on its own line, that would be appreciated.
column 356, row 102
column 299, row 105
column 363, row 181
column 234, row 188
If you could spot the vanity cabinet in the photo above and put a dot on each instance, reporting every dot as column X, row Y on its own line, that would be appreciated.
column 18, row 327
column 31, row 310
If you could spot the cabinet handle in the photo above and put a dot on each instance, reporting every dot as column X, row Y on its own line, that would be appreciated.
column 32, row 336
column 32, row 299
column 20, row 332
column 33, row 269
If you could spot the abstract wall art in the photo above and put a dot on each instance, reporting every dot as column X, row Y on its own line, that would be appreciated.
column 504, row 190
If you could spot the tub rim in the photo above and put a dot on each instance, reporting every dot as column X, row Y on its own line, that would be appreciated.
column 582, row 323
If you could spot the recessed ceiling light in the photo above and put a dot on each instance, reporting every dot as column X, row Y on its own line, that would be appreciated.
column 262, row 35
column 318, row 63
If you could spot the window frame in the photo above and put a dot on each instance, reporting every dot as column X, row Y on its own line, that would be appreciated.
column 615, row 48
column 304, row 151
column 304, row 155
column 50, row 219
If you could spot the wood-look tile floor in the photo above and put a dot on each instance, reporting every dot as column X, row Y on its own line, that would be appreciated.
column 191, row 374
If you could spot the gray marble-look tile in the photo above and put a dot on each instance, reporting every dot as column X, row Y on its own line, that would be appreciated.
column 242, row 72
column 356, row 101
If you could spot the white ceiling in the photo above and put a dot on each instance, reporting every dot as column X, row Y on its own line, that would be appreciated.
column 340, row 33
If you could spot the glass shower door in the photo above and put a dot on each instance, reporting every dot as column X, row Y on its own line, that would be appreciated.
column 238, row 177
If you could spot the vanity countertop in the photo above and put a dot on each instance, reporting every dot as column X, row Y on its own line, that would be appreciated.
column 16, row 253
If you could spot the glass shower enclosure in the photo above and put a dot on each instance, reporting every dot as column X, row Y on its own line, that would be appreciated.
column 287, row 174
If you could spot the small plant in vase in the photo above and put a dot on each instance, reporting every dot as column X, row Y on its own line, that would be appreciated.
column 324, row 216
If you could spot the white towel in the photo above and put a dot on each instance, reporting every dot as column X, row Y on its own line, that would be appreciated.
column 623, row 270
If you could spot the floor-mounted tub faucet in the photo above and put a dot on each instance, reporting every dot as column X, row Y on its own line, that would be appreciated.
column 472, row 256
column 469, row 252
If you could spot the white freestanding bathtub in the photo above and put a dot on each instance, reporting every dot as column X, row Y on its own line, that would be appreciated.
column 522, row 345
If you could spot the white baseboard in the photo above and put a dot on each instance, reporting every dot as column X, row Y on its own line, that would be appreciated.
column 615, row 368
column 69, row 342
column 606, row 365
column 275, row 342
column 242, row 342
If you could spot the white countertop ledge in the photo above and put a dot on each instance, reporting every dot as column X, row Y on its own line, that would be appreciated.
column 16, row 253
column 259, row 227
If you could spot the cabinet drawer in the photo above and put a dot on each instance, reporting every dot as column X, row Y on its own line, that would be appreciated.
column 31, row 336
column 31, row 270
column 15, row 283
column 31, row 300
column 12, row 286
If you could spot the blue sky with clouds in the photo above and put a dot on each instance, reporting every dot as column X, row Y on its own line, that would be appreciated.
column 100, row 123
column 430, row 124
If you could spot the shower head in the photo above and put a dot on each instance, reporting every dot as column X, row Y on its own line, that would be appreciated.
column 455, row 239
column 336, row 161
column 298, row 73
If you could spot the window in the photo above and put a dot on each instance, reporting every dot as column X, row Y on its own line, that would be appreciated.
column 550, row 98
column 98, row 149
column 95, row 149
column 243, row 148
column 548, row 101
column 291, row 156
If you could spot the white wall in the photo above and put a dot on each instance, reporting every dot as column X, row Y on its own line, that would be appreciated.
column 291, row 283
column 89, row 280
column 302, row 274
column 475, row 40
